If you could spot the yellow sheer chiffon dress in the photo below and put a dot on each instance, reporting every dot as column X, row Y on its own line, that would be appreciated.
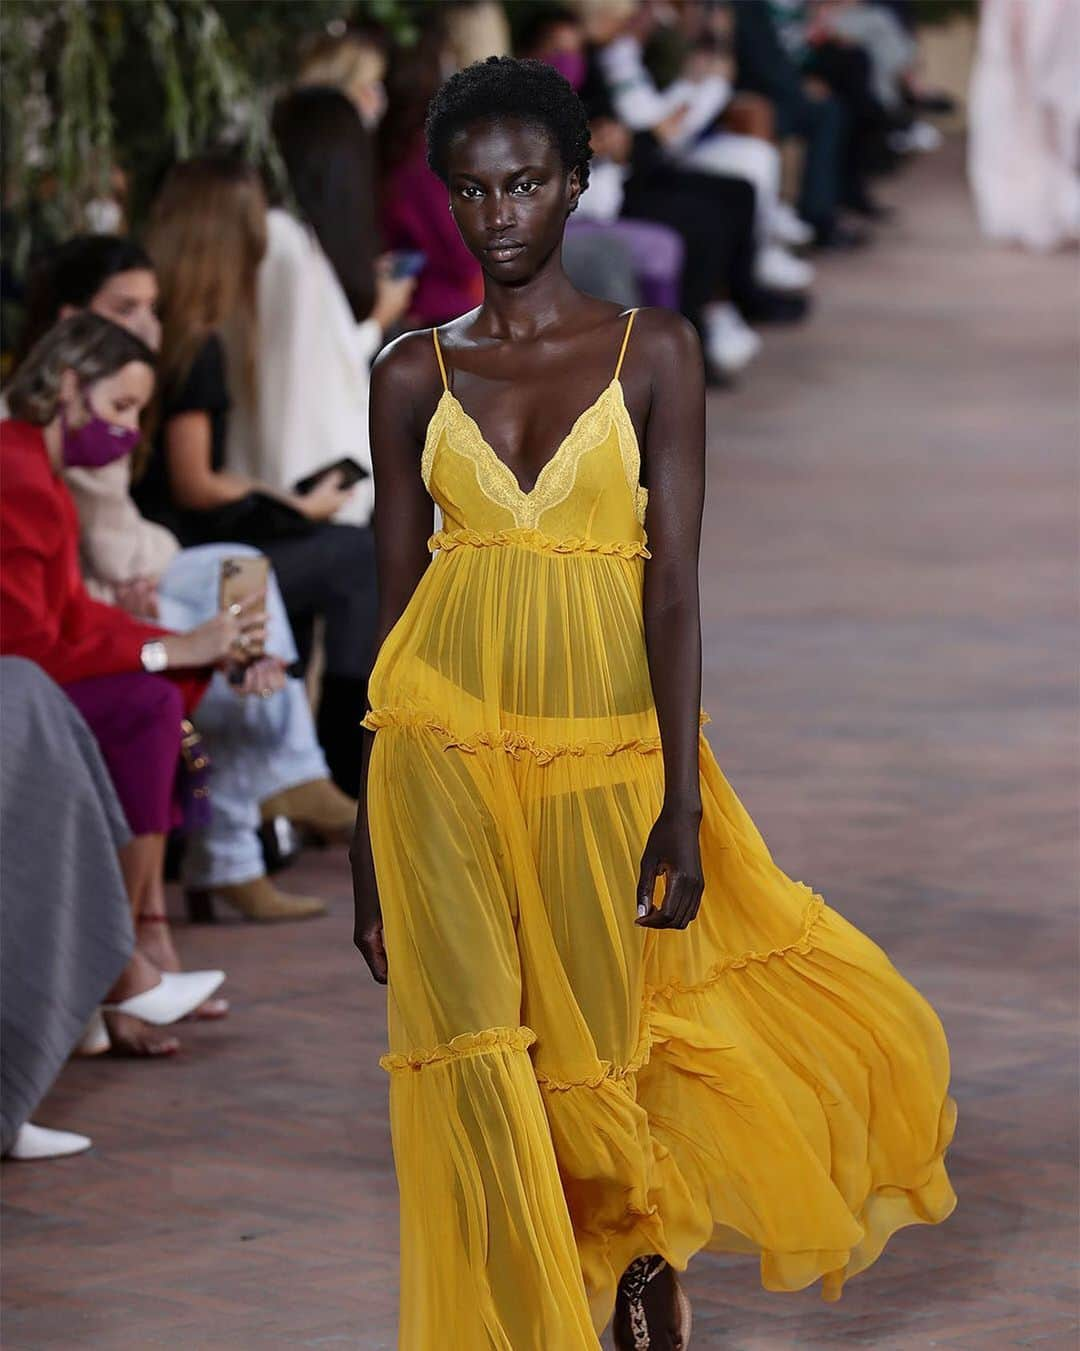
column 569, row 1091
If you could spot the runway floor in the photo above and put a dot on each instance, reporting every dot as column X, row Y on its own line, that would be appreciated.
column 890, row 612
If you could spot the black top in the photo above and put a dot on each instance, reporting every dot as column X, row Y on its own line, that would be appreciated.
column 205, row 390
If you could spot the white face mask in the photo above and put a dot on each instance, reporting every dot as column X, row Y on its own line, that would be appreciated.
column 104, row 216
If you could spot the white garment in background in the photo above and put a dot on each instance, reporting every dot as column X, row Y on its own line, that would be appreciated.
column 602, row 200
column 313, row 364
column 1024, row 122
column 641, row 106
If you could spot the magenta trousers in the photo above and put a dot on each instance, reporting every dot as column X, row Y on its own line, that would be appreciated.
column 136, row 719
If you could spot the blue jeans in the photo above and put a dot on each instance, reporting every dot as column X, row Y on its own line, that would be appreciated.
column 258, row 747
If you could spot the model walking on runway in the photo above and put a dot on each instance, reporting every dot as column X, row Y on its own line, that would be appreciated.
column 619, row 1033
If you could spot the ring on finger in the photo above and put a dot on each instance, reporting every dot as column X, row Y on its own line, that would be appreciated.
column 236, row 609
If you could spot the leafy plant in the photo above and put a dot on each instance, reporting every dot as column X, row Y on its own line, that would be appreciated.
column 92, row 87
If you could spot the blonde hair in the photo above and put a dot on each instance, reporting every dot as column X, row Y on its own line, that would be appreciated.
column 87, row 344
column 348, row 63
column 614, row 12
column 475, row 31
column 206, row 237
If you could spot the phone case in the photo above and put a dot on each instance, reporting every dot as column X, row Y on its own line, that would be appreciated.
column 241, row 578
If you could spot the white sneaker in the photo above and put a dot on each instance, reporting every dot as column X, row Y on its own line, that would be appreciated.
column 786, row 226
column 779, row 270
column 175, row 996
column 38, row 1142
column 920, row 138
column 730, row 342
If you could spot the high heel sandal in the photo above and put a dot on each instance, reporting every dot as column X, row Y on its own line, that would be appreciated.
column 176, row 994
column 210, row 1010
column 632, row 1286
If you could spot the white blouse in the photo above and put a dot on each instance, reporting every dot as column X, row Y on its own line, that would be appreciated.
column 313, row 365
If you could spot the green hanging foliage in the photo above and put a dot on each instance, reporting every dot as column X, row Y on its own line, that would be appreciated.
column 91, row 86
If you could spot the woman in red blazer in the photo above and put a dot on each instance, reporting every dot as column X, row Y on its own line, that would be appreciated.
column 76, row 400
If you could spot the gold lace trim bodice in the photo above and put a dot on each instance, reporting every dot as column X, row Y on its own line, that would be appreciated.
column 608, row 414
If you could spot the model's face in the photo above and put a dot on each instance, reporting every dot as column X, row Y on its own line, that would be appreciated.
column 510, row 194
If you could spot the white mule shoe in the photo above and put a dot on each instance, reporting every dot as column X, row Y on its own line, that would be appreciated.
column 177, row 994
column 38, row 1142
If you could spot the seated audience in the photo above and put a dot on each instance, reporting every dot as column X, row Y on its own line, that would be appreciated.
column 66, row 939
column 843, row 67
column 325, row 304
column 805, row 108
column 207, row 236
column 414, row 215
column 266, row 759
column 595, row 235
column 712, row 214
column 693, row 107
column 75, row 401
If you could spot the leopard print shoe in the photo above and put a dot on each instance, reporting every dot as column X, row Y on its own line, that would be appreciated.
column 632, row 1287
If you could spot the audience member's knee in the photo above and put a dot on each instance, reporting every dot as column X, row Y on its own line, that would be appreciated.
column 155, row 700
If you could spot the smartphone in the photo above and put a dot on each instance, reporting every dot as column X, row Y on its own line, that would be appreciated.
column 350, row 470
column 406, row 263
column 241, row 578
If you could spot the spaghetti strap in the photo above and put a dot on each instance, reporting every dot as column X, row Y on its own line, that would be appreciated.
column 439, row 359
column 626, row 339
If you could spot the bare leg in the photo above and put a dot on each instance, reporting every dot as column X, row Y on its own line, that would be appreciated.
column 142, row 862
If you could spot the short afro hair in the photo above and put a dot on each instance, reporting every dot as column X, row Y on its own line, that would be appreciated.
column 502, row 87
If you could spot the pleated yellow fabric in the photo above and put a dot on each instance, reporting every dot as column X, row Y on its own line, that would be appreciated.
column 569, row 1091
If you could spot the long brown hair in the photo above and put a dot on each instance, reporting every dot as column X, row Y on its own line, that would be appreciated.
column 206, row 237
column 329, row 158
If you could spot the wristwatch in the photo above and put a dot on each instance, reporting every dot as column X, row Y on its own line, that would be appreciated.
column 154, row 656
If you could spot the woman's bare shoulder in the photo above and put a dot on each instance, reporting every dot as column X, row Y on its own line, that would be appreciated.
column 669, row 336
column 407, row 360
column 405, row 383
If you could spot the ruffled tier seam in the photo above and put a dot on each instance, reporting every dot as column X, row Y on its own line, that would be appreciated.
column 607, row 1071
column 800, row 946
column 462, row 1047
column 513, row 743
column 525, row 537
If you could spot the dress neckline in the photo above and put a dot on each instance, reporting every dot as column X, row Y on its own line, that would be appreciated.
column 500, row 466
column 549, row 465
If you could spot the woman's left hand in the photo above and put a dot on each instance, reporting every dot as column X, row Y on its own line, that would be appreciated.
column 263, row 677
column 674, row 850
column 138, row 596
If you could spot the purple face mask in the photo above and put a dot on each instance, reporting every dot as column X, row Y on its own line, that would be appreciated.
column 571, row 66
column 97, row 442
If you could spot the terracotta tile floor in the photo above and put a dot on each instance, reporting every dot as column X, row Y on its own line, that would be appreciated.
column 890, row 607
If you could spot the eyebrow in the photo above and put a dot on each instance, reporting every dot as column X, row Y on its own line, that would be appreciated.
column 514, row 173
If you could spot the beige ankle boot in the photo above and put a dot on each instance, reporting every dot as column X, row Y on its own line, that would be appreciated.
column 319, row 806
column 258, row 900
